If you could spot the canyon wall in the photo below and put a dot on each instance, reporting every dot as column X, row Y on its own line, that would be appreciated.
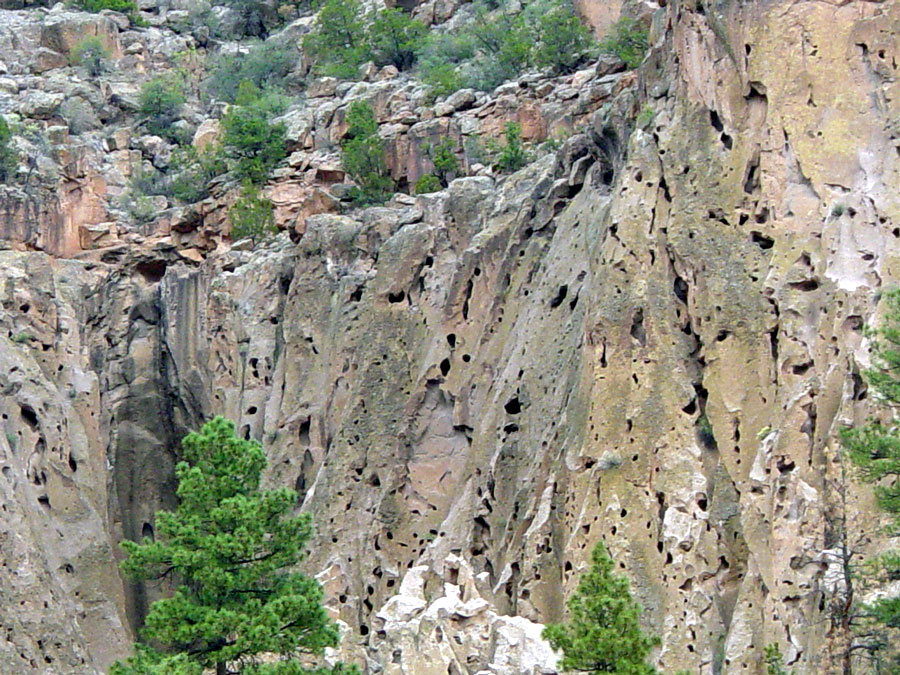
column 649, row 336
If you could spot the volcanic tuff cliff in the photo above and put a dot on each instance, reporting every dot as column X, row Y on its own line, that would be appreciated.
column 649, row 337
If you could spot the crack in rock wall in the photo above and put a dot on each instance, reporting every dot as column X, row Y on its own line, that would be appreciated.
column 649, row 339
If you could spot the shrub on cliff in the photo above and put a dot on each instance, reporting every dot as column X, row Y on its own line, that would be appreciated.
column 511, row 156
column 603, row 634
column 500, row 42
column 337, row 43
column 233, row 550
column 252, row 216
column 160, row 103
column 503, row 47
column 394, row 37
column 8, row 159
column 124, row 6
column 626, row 39
column 90, row 53
column 427, row 184
column 561, row 41
column 266, row 65
column 252, row 143
column 192, row 170
column 362, row 154
column 443, row 157
column 439, row 58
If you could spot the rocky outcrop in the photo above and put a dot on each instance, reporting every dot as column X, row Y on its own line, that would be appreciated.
column 649, row 336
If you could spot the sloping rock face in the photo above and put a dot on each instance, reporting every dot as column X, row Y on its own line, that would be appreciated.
column 650, row 338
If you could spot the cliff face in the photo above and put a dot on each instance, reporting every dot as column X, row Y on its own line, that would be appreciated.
column 650, row 338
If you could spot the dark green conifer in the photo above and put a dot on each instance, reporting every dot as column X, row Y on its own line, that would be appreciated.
column 603, row 634
column 233, row 550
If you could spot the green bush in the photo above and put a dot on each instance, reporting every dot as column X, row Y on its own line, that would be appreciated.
column 438, row 61
column 626, row 39
column 271, row 103
column 504, row 44
column 266, row 65
column 561, row 41
column 124, row 6
column 774, row 660
column 443, row 157
column 142, row 209
column 393, row 38
column 252, row 216
column 9, row 161
column 498, row 43
column 192, row 170
column 337, row 43
column 254, row 145
column 150, row 182
column 511, row 156
column 160, row 102
column 427, row 183
column 90, row 53
column 362, row 154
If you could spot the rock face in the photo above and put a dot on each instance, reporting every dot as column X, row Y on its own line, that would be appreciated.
column 649, row 337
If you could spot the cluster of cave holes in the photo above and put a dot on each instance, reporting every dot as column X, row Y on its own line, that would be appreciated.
column 37, row 476
column 573, row 506
column 716, row 122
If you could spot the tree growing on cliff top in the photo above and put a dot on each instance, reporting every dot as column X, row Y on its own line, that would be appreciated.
column 603, row 635
column 233, row 549
column 362, row 154
column 874, row 448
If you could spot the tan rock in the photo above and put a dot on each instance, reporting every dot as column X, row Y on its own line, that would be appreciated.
column 207, row 134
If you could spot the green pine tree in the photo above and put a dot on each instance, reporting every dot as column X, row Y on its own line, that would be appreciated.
column 875, row 450
column 233, row 549
column 603, row 634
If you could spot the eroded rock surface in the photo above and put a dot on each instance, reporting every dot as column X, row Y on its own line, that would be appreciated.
column 650, row 336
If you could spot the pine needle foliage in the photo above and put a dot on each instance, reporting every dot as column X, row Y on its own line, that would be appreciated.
column 603, row 635
column 233, row 549
column 874, row 448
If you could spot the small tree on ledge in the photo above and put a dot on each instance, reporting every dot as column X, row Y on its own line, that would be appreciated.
column 603, row 635
column 233, row 549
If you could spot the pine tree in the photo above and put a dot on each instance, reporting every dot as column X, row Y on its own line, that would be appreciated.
column 603, row 634
column 875, row 450
column 233, row 549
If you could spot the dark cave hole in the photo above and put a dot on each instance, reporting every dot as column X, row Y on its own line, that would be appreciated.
column 29, row 415
column 560, row 296
column 761, row 240
column 152, row 270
